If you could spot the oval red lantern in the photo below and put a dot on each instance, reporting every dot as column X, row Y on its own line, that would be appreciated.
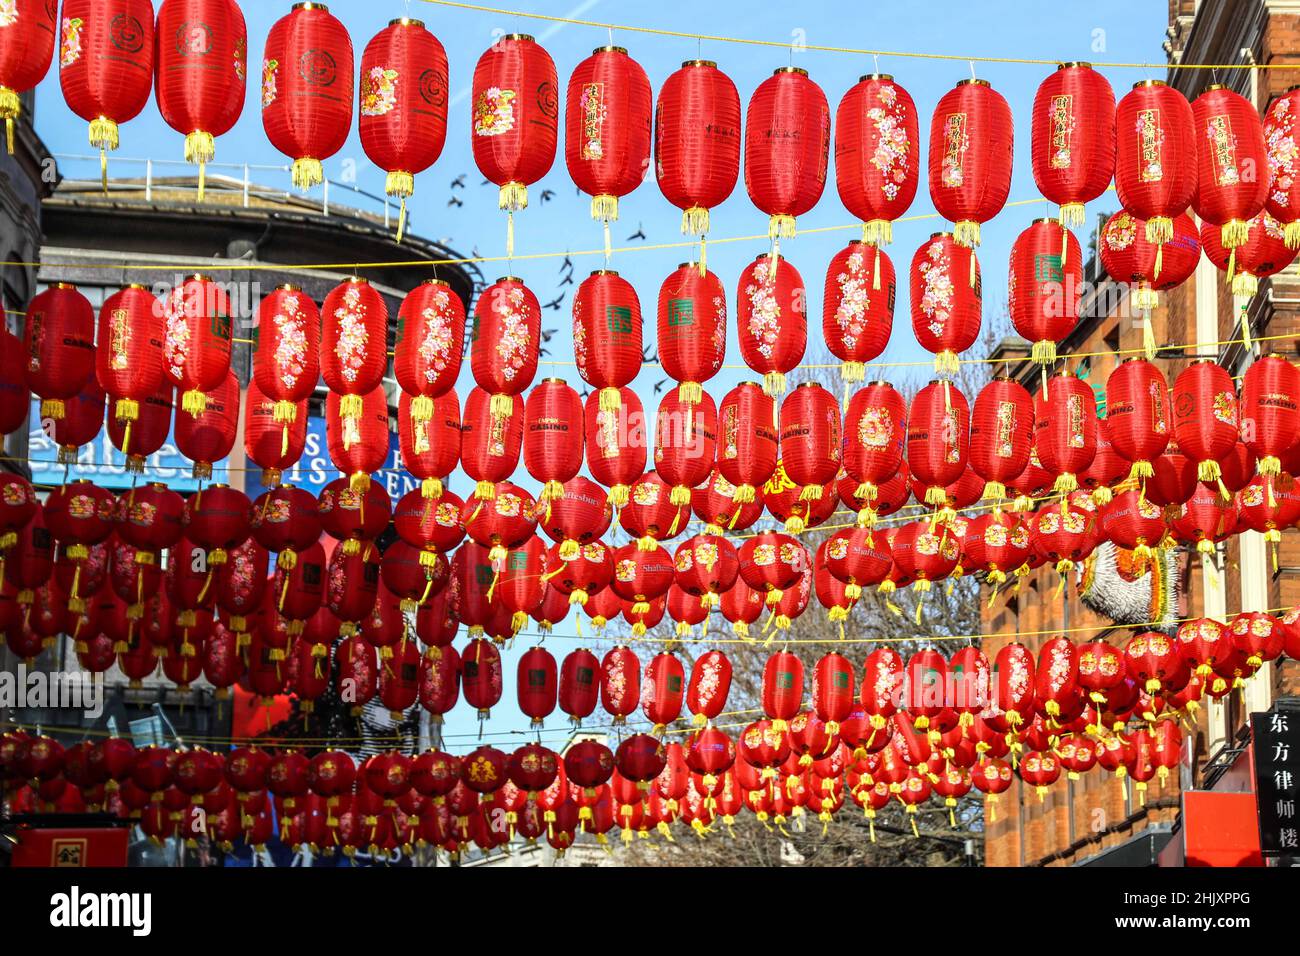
column 692, row 328
column 607, row 128
column 607, row 334
column 106, row 65
column 1230, row 157
column 430, row 449
column 286, row 350
column 579, row 689
column 787, row 139
column 58, row 346
column 938, row 439
column 971, row 149
column 620, row 683
column 403, row 105
column 772, row 319
column 553, row 422
column 197, row 341
column 877, row 155
column 307, row 89
column 810, row 438
column 1072, row 140
column 697, row 142
column 129, row 359
column 514, row 118
column 1270, row 410
column 1044, row 286
column 202, row 73
column 1139, row 420
column 999, row 438
column 358, row 444
column 1065, row 429
column 616, row 443
column 685, row 444
column 210, row 435
column 25, row 51
column 272, row 445
column 945, row 309
column 662, row 691
column 858, row 304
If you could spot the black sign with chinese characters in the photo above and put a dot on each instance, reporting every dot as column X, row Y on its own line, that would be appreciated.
column 1277, row 780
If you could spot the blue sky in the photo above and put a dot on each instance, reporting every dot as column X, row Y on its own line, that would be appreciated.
column 1099, row 31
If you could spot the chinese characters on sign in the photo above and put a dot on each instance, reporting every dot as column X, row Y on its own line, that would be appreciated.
column 1277, row 780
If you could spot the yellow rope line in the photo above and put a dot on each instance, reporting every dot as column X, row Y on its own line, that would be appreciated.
column 908, row 54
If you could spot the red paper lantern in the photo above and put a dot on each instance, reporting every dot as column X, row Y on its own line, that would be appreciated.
column 685, row 444
column 481, row 676
column 616, row 443
column 607, row 334
column 875, row 430
column 858, row 305
column 354, row 342
column 945, row 310
column 26, row 45
column 1138, row 414
column 403, row 107
column 1128, row 255
column 553, row 420
column 971, row 148
column 196, row 345
column 692, row 328
column 286, row 350
column 938, row 438
column 706, row 566
column 1280, row 138
column 1065, row 429
column 1156, row 147
column 83, row 420
column 514, row 116
column 747, row 439
column 1231, row 155
column 430, row 449
column 307, row 89
column 58, row 345
column 620, row 683
column 210, row 435
column 106, row 65
column 607, row 128
column 202, row 73
column 999, row 439
column 1045, row 284
column 440, row 671
column 771, row 562
column 1206, row 422
column 430, row 340
column 129, row 359
column 579, row 684
column 285, row 520
column 272, row 445
column 662, row 691
column 505, row 340
column 358, row 445
column 810, row 438
column 697, row 142
column 582, row 514
column 1270, row 413
column 877, row 161
column 787, row 137
column 1263, row 253
column 772, row 319
column 1073, row 139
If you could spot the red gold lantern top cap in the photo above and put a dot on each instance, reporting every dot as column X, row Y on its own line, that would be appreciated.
column 406, row 22
column 808, row 385
column 288, row 287
column 1043, row 219
column 442, row 282
column 62, row 285
column 881, row 381
column 510, row 279
column 358, row 280
column 311, row 6
column 554, row 381
column 790, row 69
column 1080, row 64
column 876, row 76
column 748, row 384
column 1141, row 83
column 519, row 36
column 940, row 235
column 605, row 272
column 975, row 81
column 137, row 285
column 708, row 63
column 609, row 48
column 200, row 277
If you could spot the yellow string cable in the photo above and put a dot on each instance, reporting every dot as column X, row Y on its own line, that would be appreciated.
column 907, row 54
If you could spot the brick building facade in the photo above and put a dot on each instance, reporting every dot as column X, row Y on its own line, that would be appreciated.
column 1081, row 820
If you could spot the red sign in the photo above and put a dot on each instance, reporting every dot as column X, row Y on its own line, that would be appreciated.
column 104, row 846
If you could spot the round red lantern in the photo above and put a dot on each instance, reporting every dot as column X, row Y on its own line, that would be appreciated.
column 1044, row 285
column 272, row 445
column 403, row 105
column 553, row 420
column 210, row 435
column 505, row 340
column 1270, row 413
column 692, row 328
column 1139, row 420
column 877, row 161
column 1065, row 429
column 607, row 334
column 999, row 438
column 307, row 89
column 1206, row 422
column 945, row 310
column 196, row 344
column 938, row 439
column 810, row 438
column 616, row 443
column 129, row 359
column 286, row 350
column 685, row 444
column 430, row 449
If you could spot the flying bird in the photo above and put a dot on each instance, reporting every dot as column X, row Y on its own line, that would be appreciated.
column 659, row 385
column 567, row 280
column 566, row 264
column 458, row 182
column 639, row 234
column 548, row 195
column 555, row 304
column 455, row 201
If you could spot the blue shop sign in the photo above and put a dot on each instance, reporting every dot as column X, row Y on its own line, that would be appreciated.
column 103, row 464
column 315, row 470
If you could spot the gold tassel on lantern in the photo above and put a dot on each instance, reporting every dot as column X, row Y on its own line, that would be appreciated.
column 11, row 108
column 103, row 137
column 307, row 172
column 400, row 184
column 201, row 148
